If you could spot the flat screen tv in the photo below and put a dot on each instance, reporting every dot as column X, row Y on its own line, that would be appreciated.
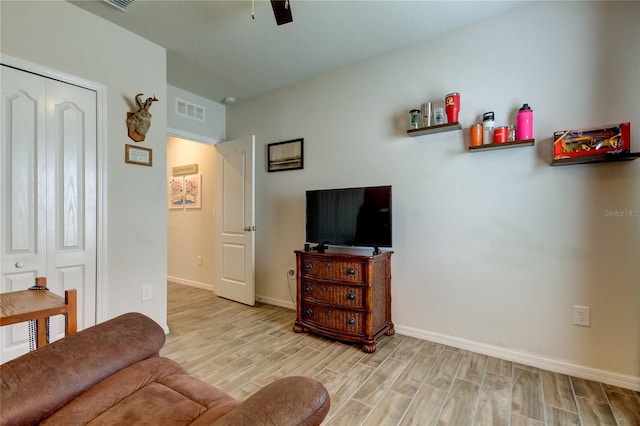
column 358, row 217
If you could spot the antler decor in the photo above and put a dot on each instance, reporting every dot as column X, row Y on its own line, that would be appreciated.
column 139, row 122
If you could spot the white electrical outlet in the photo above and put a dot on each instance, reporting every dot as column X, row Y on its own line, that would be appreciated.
column 147, row 292
column 582, row 315
column 198, row 260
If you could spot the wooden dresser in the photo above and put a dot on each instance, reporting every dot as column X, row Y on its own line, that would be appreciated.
column 344, row 295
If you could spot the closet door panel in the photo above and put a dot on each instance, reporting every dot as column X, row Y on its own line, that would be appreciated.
column 71, row 225
column 23, row 190
column 22, row 181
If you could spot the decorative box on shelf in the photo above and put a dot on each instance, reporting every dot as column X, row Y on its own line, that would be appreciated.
column 594, row 141
column 611, row 142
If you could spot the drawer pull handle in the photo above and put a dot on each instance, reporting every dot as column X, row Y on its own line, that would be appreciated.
column 328, row 312
column 308, row 289
column 309, row 312
column 328, row 289
column 351, row 271
column 308, row 266
column 351, row 296
column 351, row 321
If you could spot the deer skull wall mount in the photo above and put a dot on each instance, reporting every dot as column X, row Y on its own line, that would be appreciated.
column 139, row 122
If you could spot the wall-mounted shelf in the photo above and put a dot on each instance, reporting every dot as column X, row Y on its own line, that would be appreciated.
column 439, row 128
column 502, row 145
column 603, row 158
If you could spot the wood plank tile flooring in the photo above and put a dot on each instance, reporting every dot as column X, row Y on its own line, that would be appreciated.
column 407, row 381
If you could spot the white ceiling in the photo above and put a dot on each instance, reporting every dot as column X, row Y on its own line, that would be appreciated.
column 215, row 49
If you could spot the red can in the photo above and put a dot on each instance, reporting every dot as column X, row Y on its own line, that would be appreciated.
column 452, row 106
column 501, row 134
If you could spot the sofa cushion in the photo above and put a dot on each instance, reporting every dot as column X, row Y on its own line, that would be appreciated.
column 68, row 367
column 153, row 391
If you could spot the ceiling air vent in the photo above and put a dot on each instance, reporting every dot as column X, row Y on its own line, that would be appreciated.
column 189, row 110
column 119, row 4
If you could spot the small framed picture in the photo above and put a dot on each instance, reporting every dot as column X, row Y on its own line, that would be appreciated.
column 137, row 155
column 287, row 155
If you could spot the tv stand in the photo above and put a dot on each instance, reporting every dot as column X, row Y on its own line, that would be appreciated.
column 345, row 296
column 321, row 247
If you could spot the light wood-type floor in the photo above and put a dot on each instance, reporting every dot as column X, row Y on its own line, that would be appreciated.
column 407, row 381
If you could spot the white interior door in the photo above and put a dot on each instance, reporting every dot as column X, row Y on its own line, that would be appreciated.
column 47, row 195
column 235, row 266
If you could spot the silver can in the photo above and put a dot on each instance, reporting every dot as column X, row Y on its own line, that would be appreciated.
column 427, row 114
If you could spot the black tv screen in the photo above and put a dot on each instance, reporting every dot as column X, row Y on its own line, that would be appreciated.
column 350, row 216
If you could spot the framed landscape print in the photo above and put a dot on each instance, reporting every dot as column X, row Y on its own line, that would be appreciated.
column 287, row 155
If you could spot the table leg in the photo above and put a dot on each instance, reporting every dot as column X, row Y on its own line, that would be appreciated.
column 71, row 317
column 41, row 325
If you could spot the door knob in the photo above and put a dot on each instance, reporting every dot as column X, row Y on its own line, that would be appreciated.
column 19, row 264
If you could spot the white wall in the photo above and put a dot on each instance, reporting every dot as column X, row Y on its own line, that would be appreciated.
column 211, row 130
column 492, row 249
column 132, row 201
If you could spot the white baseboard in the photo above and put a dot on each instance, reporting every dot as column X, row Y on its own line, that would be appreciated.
column 276, row 302
column 261, row 299
column 534, row 360
column 190, row 283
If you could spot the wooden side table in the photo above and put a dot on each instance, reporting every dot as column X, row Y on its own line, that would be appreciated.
column 26, row 305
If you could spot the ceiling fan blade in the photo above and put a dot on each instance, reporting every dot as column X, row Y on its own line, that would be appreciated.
column 282, row 11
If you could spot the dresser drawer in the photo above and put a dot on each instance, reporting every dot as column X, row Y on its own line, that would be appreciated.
column 335, row 294
column 339, row 270
column 343, row 320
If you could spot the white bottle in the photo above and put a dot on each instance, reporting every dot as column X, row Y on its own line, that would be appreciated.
column 488, row 124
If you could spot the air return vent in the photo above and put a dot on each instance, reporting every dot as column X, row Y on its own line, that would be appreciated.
column 119, row 4
column 189, row 110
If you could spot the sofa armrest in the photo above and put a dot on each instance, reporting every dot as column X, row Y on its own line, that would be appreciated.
column 38, row 383
column 292, row 400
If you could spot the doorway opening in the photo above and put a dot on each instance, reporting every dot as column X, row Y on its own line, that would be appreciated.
column 191, row 225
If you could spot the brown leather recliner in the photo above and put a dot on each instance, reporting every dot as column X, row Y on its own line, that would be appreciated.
column 112, row 374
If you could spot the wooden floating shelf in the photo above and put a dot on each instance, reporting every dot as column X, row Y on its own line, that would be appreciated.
column 502, row 145
column 603, row 158
column 448, row 127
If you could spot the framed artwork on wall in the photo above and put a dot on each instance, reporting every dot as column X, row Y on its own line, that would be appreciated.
column 138, row 155
column 193, row 191
column 175, row 196
column 287, row 155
